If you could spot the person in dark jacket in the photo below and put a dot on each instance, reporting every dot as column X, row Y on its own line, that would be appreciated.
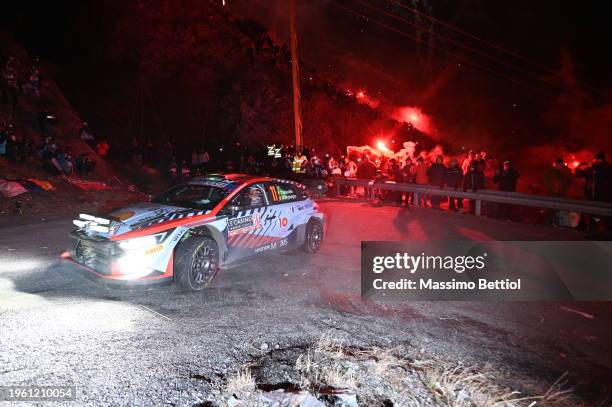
column 453, row 178
column 597, row 186
column 435, row 173
column 473, row 180
column 396, row 175
column 506, row 177
column 366, row 169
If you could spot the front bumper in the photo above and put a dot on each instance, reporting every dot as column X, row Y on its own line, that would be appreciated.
column 100, row 259
column 118, row 282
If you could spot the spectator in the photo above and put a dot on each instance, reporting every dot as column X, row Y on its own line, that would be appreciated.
column 453, row 178
column 490, row 168
column 65, row 161
column 395, row 171
column 507, row 178
column 185, row 173
column 349, row 170
column 84, row 164
column 395, row 174
column 200, row 159
column 435, row 173
column 11, row 143
column 366, row 169
column 316, row 169
column 32, row 86
column 408, row 177
column 473, row 180
column 407, row 171
column 479, row 159
column 299, row 162
column 597, row 186
column 558, row 179
column 465, row 166
column 86, row 134
column 204, row 159
column 419, row 171
column 334, row 167
column 49, row 155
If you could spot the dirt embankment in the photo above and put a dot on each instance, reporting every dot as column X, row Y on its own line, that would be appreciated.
column 29, row 185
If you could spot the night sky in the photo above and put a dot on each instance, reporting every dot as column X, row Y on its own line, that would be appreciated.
column 539, row 30
column 340, row 39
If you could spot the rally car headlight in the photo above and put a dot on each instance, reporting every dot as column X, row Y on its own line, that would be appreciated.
column 142, row 242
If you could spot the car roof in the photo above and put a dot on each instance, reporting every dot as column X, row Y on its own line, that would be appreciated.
column 234, row 180
column 228, row 181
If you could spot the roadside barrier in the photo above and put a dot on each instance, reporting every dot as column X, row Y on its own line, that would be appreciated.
column 487, row 195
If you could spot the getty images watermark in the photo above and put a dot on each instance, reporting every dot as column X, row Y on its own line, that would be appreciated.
column 483, row 271
column 422, row 263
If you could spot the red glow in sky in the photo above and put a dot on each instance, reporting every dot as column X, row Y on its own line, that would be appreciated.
column 414, row 116
column 363, row 97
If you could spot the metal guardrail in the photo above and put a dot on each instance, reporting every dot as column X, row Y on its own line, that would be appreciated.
column 513, row 198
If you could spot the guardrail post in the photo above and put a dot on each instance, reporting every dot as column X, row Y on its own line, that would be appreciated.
column 372, row 192
column 415, row 200
column 478, row 207
column 337, row 188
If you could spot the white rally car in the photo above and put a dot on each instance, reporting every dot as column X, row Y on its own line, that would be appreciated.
column 192, row 230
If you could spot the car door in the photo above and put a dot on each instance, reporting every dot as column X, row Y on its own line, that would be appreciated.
column 246, row 222
column 283, row 198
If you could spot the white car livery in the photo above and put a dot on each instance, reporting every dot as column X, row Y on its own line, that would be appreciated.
column 196, row 228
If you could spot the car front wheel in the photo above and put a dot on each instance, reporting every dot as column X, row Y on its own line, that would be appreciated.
column 314, row 236
column 197, row 263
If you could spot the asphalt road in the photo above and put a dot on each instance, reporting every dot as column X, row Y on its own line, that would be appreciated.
column 161, row 346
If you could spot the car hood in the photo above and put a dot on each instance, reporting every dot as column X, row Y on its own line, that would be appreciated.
column 133, row 217
column 141, row 214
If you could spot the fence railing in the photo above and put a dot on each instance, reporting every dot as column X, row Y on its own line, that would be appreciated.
column 487, row 195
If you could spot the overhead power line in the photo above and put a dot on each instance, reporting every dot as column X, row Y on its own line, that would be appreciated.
column 415, row 38
column 489, row 43
column 475, row 37
column 452, row 41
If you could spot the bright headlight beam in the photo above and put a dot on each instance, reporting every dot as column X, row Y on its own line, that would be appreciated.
column 141, row 242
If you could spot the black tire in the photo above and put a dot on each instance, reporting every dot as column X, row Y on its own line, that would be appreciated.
column 196, row 263
column 314, row 236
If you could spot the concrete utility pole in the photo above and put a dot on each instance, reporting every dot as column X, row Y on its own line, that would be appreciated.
column 295, row 72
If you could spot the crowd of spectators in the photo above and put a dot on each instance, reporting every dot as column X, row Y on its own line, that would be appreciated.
column 472, row 172
column 21, row 92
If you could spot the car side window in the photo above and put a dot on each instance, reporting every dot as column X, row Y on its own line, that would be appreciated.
column 251, row 197
column 280, row 192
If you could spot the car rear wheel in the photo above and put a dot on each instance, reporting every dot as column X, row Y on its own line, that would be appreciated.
column 197, row 263
column 314, row 236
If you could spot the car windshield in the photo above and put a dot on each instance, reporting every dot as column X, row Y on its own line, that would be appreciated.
column 192, row 196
